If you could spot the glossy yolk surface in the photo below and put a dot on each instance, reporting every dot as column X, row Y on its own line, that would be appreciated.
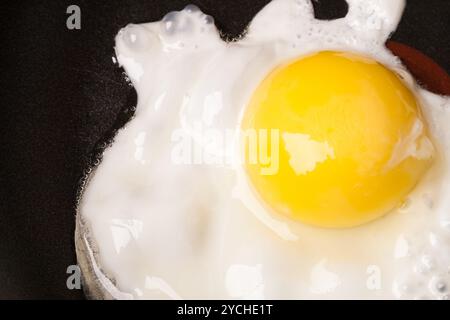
column 334, row 140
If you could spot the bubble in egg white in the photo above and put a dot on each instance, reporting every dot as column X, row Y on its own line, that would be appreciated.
column 149, row 229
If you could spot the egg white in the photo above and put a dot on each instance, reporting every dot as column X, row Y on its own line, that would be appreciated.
column 150, row 227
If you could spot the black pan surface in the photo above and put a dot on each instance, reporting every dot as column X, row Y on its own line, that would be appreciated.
column 62, row 97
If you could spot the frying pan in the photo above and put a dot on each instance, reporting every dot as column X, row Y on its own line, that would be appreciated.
column 63, row 98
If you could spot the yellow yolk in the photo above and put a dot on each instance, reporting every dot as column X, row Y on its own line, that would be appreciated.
column 334, row 140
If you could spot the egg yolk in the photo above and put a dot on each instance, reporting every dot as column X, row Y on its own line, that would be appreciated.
column 334, row 140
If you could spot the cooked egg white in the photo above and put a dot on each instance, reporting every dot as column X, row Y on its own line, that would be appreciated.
column 348, row 198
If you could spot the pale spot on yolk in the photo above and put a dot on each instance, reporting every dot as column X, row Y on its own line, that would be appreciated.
column 305, row 153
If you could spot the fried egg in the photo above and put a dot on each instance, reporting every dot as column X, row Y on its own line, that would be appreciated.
column 299, row 161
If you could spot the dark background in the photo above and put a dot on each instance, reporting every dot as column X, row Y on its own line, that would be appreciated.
column 62, row 98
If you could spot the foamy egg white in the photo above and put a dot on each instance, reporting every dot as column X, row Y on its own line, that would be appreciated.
column 169, row 212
